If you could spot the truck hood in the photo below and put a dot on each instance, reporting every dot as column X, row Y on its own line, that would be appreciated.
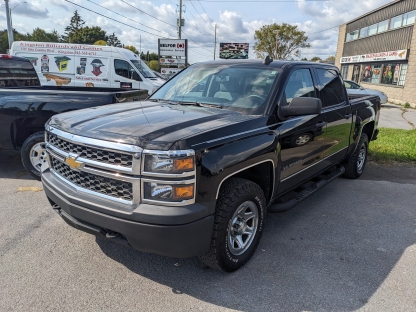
column 145, row 124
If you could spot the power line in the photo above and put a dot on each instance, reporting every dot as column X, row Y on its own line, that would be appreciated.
column 263, row 1
column 205, row 11
column 324, row 30
column 196, row 21
column 198, row 12
column 127, row 17
column 147, row 13
column 111, row 18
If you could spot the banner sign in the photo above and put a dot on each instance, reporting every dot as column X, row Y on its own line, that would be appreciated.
column 170, row 71
column 375, row 57
column 234, row 50
column 173, row 47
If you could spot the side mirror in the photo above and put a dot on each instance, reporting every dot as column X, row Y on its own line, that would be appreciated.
column 301, row 106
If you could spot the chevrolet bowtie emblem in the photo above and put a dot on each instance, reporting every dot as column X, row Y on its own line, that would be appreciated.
column 73, row 164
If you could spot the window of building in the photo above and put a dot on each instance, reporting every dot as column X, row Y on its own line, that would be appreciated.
column 331, row 87
column 396, row 22
column 344, row 71
column 352, row 35
column 363, row 32
column 371, row 73
column 372, row 30
column 402, row 77
column 409, row 18
column 383, row 26
column 392, row 73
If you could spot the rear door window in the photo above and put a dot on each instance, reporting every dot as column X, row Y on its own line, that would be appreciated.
column 124, row 69
column 330, row 87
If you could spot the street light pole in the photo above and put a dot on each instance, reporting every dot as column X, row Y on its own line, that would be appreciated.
column 180, row 20
column 9, row 23
column 215, row 39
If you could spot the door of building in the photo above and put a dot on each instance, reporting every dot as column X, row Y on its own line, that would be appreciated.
column 356, row 73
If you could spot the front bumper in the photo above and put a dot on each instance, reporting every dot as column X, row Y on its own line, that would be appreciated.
column 152, row 234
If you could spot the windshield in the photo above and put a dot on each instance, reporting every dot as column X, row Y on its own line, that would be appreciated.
column 234, row 87
column 143, row 69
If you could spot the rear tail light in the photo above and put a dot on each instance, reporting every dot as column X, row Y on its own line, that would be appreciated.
column 6, row 56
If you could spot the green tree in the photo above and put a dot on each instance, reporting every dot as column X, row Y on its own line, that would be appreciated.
column 87, row 35
column 290, row 41
column 132, row 48
column 113, row 41
column 43, row 36
column 330, row 58
column 154, row 65
column 74, row 26
column 304, row 59
column 4, row 39
column 315, row 58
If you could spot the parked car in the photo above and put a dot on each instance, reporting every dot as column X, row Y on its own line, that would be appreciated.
column 193, row 170
column 81, row 65
column 159, row 75
column 25, row 106
column 355, row 89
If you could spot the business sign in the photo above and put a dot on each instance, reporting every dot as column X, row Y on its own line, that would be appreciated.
column 171, row 61
column 234, row 50
column 173, row 47
column 375, row 57
column 170, row 71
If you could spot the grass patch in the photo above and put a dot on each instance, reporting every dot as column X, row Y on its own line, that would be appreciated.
column 394, row 145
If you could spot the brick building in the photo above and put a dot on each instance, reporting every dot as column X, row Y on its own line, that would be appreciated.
column 378, row 50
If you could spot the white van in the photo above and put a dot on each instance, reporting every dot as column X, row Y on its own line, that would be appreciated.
column 80, row 65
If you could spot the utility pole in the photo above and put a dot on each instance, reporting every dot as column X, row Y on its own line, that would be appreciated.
column 277, row 40
column 180, row 20
column 215, row 39
column 9, row 24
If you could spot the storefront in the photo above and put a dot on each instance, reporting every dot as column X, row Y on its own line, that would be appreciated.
column 375, row 50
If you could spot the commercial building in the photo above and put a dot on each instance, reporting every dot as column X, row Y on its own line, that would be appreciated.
column 378, row 51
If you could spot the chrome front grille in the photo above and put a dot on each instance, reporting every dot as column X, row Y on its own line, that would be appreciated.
column 107, row 186
column 100, row 155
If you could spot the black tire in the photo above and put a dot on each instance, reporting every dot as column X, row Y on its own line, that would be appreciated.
column 294, row 142
column 356, row 163
column 28, row 150
column 234, row 194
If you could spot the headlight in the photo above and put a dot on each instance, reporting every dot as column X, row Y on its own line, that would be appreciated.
column 168, row 192
column 168, row 177
column 172, row 162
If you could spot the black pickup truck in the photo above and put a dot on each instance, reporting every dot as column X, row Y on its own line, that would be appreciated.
column 25, row 106
column 195, row 168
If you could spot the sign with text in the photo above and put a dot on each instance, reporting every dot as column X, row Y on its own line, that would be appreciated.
column 170, row 71
column 171, row 61
column 173, row 47
column 375, row 57
column 234, row 50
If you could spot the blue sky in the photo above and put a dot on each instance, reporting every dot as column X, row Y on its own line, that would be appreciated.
column 236, row 20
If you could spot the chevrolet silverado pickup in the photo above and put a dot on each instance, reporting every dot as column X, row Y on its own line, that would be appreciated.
column 25, row 106
column 193, row 169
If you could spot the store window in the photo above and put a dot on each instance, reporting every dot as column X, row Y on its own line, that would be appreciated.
column 371, row 73
column 383, row 26
column 392, row 73
column 409, row 18
column 402, row 77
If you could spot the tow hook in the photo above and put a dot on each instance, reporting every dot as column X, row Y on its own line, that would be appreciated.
column 111, row 234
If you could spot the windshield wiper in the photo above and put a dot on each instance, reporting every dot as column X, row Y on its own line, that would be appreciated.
column 164, row 101
column 199, row 104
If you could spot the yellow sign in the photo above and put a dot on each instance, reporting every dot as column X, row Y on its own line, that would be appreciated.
column 100, row 42
column 73, row 164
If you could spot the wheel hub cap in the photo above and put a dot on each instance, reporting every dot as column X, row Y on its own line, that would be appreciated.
column 38, row 155
column 243, row 228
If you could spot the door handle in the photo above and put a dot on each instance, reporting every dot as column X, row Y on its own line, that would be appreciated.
column 116, row 80
column 321, row 124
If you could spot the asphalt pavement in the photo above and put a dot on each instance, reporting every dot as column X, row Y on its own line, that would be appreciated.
column 396, row 116
column 351, row 246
